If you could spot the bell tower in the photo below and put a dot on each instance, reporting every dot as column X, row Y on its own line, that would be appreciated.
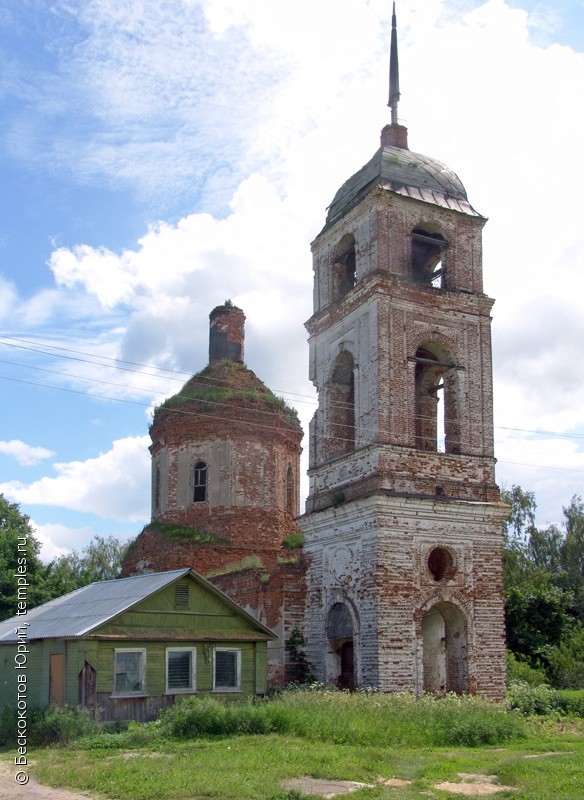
column 403, row 519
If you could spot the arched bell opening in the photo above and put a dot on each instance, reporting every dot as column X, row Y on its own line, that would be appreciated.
column 341, row 406
column 437, row 422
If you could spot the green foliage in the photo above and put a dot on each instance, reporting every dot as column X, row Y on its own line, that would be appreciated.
column 187, row 535
column 19, row 552
column 100, row 560
column 518, row 669
column 363, row 718
column 566, row 661
column 293, row 541
column 205, row 388
column 298, row 668
column 544, row 588
column 531, row 700
column 48, row 725
column 537, row 617
column 542, row 700
column 248, row 562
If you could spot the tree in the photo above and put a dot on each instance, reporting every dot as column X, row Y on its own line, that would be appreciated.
column 517, row 564
column 21, row 570
column 101, row 560
column 537, row 617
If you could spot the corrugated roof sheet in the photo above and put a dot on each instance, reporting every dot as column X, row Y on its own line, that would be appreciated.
column 404, row 172
column 79, row 612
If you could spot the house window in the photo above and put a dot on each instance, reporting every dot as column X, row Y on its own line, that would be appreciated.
column 200, row 482
column 226, row 670
column 180, row 669
column 130, row 671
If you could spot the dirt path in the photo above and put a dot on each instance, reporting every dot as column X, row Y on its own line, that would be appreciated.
column 10, row 790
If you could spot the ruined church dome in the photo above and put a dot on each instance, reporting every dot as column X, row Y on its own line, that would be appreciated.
column 397, row 169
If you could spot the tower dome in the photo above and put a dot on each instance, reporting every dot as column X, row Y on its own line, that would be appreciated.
column 225, row 464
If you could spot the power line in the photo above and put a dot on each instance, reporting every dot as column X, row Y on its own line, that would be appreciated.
column 146, row 370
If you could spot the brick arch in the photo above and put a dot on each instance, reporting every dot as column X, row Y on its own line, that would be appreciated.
column 340, row 405
column 347, row 345
column 430, row 336
column 444, row 632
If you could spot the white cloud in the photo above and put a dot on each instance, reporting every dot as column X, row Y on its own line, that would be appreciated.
column 113, row 485
column 269, row 147
column 25, row 454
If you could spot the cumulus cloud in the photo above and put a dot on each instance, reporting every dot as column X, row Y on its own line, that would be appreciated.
column 261, row 134
column 25, row 454
column 113, row 485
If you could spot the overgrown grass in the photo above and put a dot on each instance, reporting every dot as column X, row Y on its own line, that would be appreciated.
column 205, row 748
column 350, row 718
column 179, row 533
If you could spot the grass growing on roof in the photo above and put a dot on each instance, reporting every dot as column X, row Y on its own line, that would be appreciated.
column 179, row 533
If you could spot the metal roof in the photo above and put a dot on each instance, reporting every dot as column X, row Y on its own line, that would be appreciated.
column 404, row 172
column 79, row 612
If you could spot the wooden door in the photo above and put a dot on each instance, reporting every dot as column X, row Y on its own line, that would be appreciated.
column 56, row 679
column 87, row 686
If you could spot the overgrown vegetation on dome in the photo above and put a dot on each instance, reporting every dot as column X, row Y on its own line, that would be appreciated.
column 225, row 381
column 179, row 533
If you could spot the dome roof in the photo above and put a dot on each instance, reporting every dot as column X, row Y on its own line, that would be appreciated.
column 226, row 389
column 399, row 170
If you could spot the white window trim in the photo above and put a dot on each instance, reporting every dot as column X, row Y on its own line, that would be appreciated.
column 224, row 689
column 193, row 687
column 142, row 691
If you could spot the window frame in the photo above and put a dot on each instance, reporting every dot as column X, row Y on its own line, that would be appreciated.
column 227, row 689
column 200, row 467
column 142, row 672
column 192, row 689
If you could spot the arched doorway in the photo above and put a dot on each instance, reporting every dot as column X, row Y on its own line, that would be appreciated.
column 445, row 666
column 339, row 631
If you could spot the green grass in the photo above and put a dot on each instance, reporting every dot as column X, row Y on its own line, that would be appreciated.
column 362, row 737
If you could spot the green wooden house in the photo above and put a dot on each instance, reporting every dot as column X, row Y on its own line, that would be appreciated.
column 130, row 647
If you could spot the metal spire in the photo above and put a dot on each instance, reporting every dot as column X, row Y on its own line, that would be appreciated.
column 394, row 94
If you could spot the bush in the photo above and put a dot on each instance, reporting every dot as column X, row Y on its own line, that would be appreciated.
column 519, row 670
column 544, row 701
column 48, row 725
column 571, row 702
column 567, row 661
column 60, row 725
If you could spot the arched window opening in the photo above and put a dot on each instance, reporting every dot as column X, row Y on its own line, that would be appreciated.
column 290, row 491
column 157, row 489
column 342, row 406
column 436, row 401
column 344, row 266
column 427, row 261
column 445, row 658
column 200, row 482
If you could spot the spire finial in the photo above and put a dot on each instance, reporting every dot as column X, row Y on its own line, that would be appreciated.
column 394, row 94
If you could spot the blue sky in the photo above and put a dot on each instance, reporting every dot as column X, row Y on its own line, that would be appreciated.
column 156, row 159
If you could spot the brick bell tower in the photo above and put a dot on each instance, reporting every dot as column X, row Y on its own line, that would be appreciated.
column 403, row 520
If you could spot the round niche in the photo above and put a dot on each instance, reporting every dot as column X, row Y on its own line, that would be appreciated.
column 441, row 564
